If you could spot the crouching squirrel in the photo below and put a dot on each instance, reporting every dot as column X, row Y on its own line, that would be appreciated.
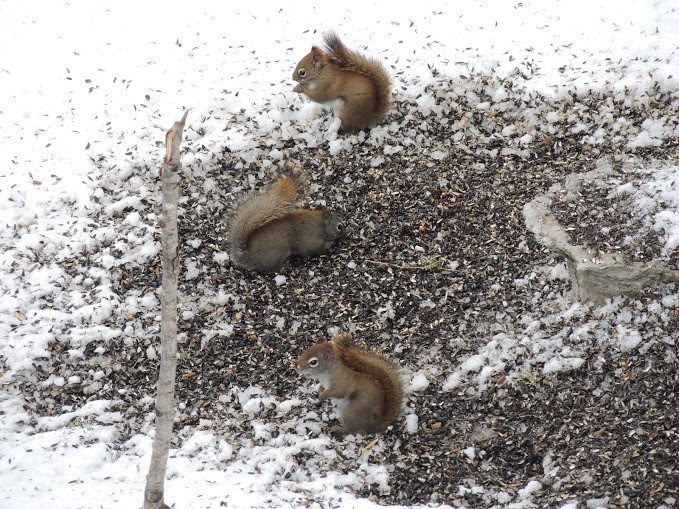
column 366, row 386
column 335, row 72
column 268, row 228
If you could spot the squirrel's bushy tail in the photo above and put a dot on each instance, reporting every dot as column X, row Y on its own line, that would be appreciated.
column 343, row 57
column 380, row 370
column 258, row 209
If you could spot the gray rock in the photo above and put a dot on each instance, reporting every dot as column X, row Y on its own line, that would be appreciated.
column 592, row 278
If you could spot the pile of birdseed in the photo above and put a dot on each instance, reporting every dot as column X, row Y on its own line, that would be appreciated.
column 516, row 393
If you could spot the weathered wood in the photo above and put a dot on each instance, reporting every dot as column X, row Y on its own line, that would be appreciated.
column 593, row 277
column 165, row 409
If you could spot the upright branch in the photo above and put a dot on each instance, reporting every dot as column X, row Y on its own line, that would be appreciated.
column 165, row 410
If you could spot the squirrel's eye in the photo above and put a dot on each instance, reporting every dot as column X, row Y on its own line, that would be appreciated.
column 339, row 227
column 313, row 362
column 301, row 73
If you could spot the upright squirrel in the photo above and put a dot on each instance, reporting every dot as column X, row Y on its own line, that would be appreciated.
column 366, row 384
column 336, row 72
column 267, row 228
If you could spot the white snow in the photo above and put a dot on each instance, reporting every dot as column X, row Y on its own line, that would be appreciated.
column 419, row 382
column 411, row 423
column 89, row 89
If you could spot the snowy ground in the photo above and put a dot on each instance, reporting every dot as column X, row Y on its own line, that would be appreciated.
column 90, row 90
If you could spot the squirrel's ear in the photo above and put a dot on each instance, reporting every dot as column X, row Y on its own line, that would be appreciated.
column 326, row 348
column 317, row 55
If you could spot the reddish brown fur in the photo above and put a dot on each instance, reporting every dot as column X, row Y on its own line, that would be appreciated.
column 336, row 72
column 366, row 383
column 267, row 228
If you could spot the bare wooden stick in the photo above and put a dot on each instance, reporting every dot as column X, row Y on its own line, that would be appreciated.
column 165, row 410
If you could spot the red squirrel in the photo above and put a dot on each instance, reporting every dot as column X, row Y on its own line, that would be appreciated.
column 268, row 228
column 336, row 72
column 366, row 386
